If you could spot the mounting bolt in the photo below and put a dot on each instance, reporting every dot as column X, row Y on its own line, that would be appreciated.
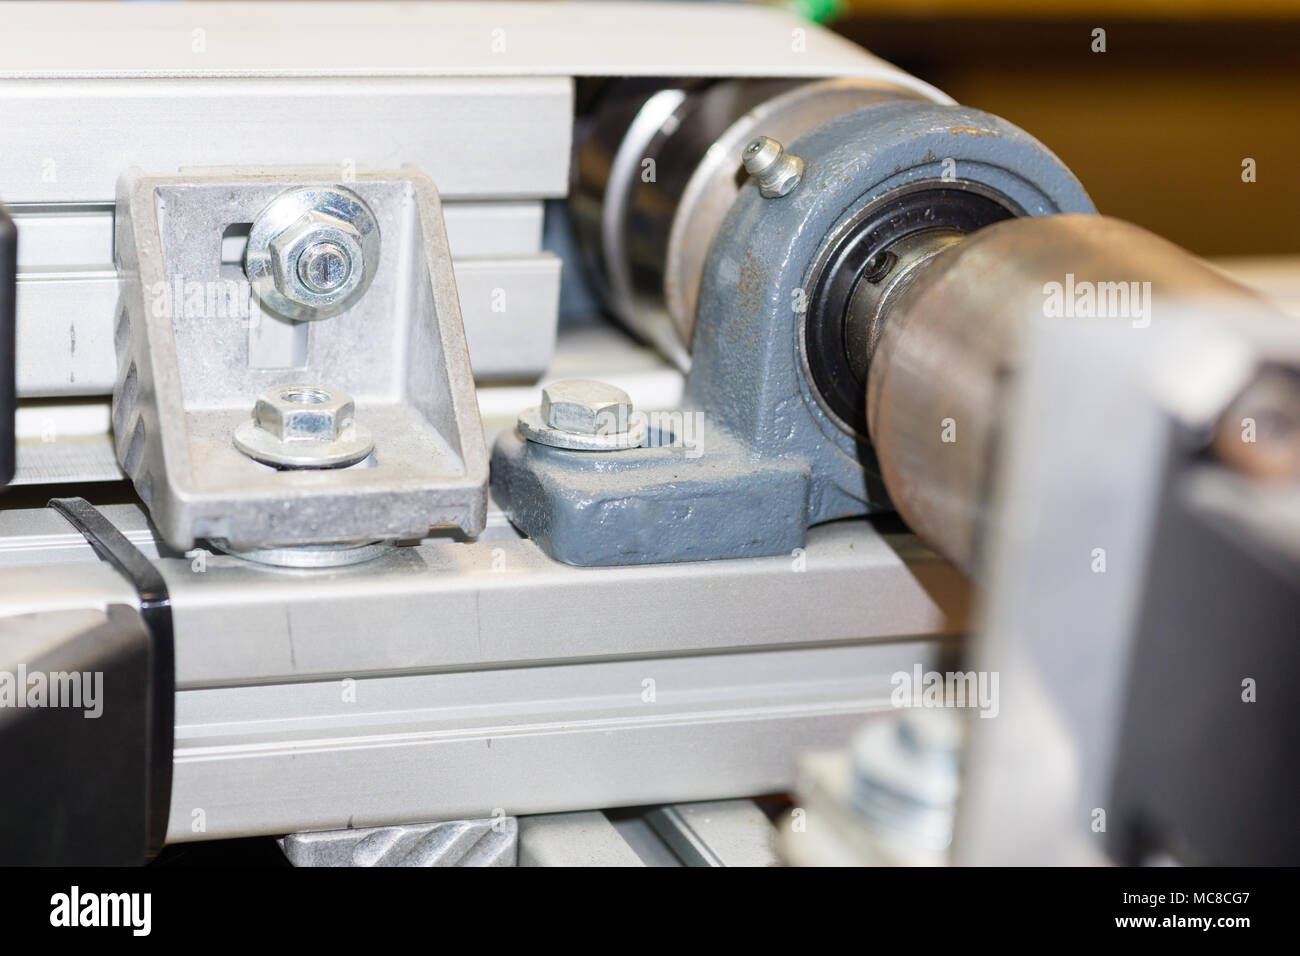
column 312, row 252
column 905, row 781
column 324, row 267
column 776, row 171
column 585, row 407
column 304, row 426
column 583, row 415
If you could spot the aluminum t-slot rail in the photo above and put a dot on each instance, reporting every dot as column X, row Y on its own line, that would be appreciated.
column 451, row 679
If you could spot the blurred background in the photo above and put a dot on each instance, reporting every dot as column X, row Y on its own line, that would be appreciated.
column 1157, row 126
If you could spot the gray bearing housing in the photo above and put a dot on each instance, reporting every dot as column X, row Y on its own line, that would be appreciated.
column 771, row 461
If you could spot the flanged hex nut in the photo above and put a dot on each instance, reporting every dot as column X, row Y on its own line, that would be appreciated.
column 304, row 426
column 316, row 261
column 312, row 252
column 304, row 413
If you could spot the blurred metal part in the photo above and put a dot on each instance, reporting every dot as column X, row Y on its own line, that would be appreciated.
column 717, row 833
column 487, row 842
column 905, row 783
column 657, row 169
column 559, row 734
column 712, row 833
column 889, row 799
column 448, row 41
column 1128, row 621
column 79, row 773
column 8, row 343
column 580, row 838
column 1260, row 433
column 950, row 340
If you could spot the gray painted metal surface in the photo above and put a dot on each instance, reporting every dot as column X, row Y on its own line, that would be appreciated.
column 769, row 462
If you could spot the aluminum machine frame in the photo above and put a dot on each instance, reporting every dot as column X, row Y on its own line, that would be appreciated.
column 294, row 270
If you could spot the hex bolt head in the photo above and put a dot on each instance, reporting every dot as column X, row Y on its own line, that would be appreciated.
column 584, row 407
column 776, row 171
column 324, row 267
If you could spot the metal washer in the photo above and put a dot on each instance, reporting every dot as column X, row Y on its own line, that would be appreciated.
column 534, row 428
column 311, row 557
column 353, row 446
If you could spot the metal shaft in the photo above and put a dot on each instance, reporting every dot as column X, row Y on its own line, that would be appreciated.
column 950, row 342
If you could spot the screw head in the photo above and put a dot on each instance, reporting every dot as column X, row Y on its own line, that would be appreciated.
column 324, row 267
column 584, row 407
column 318, row 243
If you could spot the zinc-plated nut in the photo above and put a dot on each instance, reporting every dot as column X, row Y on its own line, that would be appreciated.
column 312, row 252
column 304, row 426
column 776, row 171
column 314, row 239
column 304, row 413
column 583, row 415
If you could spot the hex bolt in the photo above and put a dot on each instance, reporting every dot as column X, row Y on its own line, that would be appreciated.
column 776, row 171
column 312, row 252
column 905, row 778
column 324, row 267
column 582, row 415
column 304, row 426
column 583, row 407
